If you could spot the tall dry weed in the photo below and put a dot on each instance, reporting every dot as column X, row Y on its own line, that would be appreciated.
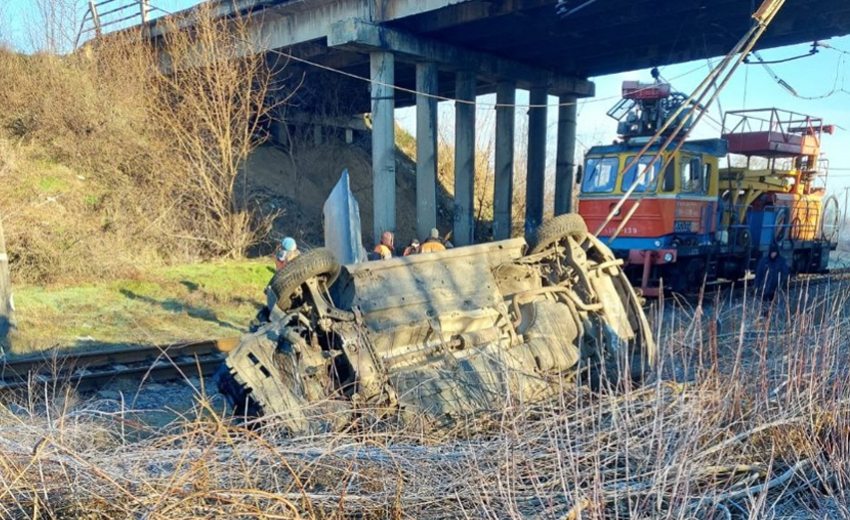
column 748, row 418
column 215, row 93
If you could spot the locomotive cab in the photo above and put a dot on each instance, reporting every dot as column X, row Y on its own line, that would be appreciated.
column 675, row 222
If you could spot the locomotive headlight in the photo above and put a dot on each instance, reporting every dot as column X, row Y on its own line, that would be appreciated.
column 657, row 243
column 668, row 257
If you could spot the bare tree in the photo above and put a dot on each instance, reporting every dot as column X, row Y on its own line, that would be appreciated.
column 217, row 90
column 53, row 24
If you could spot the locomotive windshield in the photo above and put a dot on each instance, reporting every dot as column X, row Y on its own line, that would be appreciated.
column 600, row 174
column 645, row 181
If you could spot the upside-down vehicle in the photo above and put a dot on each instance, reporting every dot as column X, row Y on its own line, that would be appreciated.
column 436, row 338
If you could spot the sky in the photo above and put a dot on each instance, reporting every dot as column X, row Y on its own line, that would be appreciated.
column 819, row 82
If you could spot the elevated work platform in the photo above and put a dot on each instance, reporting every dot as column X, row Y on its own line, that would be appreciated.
column 773, row 133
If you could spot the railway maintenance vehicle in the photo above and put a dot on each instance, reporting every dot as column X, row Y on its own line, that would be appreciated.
column 698, row 220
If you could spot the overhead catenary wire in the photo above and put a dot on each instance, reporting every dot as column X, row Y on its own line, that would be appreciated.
column 791, row 90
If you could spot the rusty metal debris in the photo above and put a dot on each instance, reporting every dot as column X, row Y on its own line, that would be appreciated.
column 439, row 337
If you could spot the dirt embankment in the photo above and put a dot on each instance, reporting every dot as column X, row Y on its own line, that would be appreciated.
column 299, row 183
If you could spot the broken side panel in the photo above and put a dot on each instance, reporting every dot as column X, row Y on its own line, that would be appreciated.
column 342, row 223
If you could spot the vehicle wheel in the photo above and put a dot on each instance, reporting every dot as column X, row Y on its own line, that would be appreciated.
column 316, row 263
column 556, row 229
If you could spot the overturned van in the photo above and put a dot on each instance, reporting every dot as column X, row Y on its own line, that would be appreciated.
column 436, row 338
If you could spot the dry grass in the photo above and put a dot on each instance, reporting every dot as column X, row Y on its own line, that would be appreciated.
column 750, row 421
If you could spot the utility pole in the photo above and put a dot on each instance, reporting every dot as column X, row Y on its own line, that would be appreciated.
column 7, row 308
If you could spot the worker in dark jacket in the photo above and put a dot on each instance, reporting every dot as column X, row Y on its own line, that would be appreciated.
column 771, row 274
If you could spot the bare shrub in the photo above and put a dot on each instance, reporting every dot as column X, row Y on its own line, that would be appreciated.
column 123, row 164
column 52, row 25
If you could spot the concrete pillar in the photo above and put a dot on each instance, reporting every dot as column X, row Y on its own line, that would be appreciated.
column 383, row 143
column 144, row 7
column 504, row 160
column 566, row 155
column 536, row 171
column 426, row 149
column 464, row 224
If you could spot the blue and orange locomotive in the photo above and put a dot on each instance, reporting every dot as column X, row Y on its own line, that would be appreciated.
column 697, row 222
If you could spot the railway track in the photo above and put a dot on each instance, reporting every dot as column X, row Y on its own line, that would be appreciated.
column 798, row 280
column 94, row 368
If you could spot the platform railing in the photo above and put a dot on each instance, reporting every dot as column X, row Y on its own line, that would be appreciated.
column 784, row 122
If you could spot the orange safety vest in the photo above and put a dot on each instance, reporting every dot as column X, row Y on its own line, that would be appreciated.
column 384, row 251
column 432, row 246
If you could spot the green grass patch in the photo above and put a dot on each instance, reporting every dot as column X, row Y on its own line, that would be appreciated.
column 159, row 306
column 50, row 184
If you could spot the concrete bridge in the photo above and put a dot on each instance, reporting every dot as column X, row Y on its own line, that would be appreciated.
column 464, row 48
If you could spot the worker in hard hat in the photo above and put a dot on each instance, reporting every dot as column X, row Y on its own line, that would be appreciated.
column 433, row 243
column 286, row 251
column 384, row 249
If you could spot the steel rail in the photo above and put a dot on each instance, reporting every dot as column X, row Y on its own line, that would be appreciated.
column 93, row 367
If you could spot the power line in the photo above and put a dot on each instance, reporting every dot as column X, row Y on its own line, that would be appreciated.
column 830, row 47
column 461, row 101
column 784, row 84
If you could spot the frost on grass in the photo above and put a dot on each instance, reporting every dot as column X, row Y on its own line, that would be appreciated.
column 748, row 418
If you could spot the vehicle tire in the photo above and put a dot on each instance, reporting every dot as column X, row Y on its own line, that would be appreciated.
column 556, row 229
column 315, row 263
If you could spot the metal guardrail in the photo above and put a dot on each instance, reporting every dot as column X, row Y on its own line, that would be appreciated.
column 104, row 16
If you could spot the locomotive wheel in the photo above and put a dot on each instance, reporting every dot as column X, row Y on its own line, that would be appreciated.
column 556, row 229
column 686, row 276
column 743, row 239
column 316, row 263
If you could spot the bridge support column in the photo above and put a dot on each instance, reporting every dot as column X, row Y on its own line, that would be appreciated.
column 565, row 159
column 383, row 143
column 536, row 171
column 464, row 224
column 426, row 149
column 504, row 161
